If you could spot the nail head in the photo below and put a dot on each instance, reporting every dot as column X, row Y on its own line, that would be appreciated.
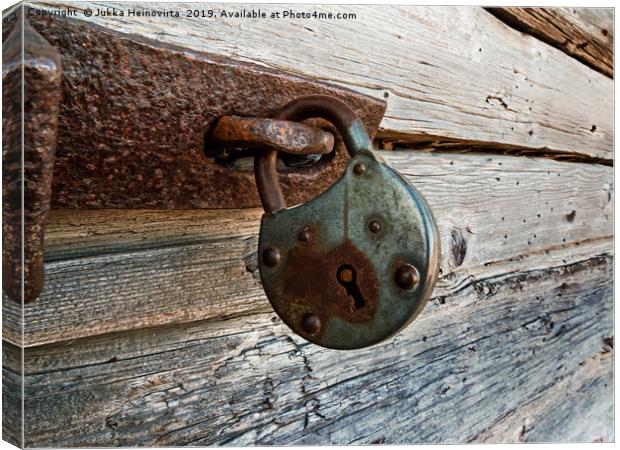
column 311, row 323
column 374, row 226
column 406, row 276
column 271, row 257
column 359, row 168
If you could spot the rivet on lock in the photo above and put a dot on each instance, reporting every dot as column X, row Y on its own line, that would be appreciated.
column 358, row 263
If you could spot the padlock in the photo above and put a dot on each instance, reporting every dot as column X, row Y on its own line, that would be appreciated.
column 357, row 264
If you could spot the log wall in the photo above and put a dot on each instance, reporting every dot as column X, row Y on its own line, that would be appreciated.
column 153, row 328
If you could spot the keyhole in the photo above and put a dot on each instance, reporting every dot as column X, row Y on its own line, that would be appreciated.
column 347, row 277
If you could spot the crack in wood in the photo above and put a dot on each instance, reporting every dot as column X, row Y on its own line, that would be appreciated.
column 428, row 143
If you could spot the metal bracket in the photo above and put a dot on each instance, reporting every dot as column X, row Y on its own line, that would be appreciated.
column 30, row 116
column 130, row 128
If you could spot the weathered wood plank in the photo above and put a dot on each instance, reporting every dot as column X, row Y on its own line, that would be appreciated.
column 589, row 392
column 586, row 34
column 458, row 370
column 109, row 271
column 453, row 72
column 80, row 233
column 12, row 383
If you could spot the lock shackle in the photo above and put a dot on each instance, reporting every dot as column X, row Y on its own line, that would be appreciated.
column 345, row 120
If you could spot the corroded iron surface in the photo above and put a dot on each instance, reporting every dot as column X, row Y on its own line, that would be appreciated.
column 280, row 135
column 135, row 114
column 129, row 120
column 30, row 179
column 349, row 127
column 311, row 273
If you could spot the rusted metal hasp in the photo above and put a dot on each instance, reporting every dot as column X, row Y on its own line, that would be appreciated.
column 349, row 126
column 132, row 128
column 31, row 102
column 136, row 115
column 280, row 135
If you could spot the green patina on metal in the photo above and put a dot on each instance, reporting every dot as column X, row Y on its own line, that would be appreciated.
column 358, row 263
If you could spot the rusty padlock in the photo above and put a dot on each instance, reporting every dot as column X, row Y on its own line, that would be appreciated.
column 356, row 264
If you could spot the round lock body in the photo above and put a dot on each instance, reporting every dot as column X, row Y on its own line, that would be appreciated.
column 355, row 265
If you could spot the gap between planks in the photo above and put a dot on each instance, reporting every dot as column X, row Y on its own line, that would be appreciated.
column 456, row 72
column 390, row 141
column 109, row 271
column 469, row 360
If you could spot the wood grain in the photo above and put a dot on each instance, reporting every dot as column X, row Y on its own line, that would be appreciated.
column 588, row 391
column 154, row 330
column 586, row 34
column 490, row 349
column 453, row 72
column 12, row 384
column 109, row 271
